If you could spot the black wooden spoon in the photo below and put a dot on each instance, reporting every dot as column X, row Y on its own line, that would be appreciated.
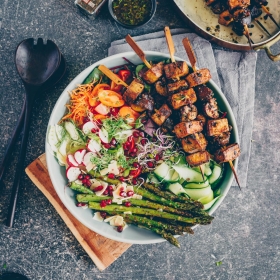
column 35, row 64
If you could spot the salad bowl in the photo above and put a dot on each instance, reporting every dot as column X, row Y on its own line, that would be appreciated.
column 131, row 234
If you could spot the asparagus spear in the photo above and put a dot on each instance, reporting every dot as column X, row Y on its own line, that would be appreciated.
column 139, row 220
column 171, row 196
column 80, row 188
column 136, row 202
column 166, row 235
column 105, row 178
column 149, row 212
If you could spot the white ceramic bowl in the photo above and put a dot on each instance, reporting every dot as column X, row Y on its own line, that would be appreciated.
column 132, row 234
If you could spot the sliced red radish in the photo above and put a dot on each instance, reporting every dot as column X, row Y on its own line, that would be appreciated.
column 103, row 135
column 93, row 146
column 87, row 157
column 102, row 109
column 79, row 155
column 72, row 173
column 88, row 126
column 71, row 161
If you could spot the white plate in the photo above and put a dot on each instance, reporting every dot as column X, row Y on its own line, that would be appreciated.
column 57, row 173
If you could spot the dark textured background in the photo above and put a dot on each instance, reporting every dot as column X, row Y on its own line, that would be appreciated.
column 245, row 234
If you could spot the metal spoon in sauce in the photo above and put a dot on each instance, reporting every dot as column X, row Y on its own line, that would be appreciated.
column 35, row 63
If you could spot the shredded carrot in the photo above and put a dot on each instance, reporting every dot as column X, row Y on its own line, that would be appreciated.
column 80, row 99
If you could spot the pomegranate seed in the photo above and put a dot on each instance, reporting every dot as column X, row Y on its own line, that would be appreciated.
column 135, row 134
column 134, row 151
column 133, row 154
column 113, row 142
column 130, row 193
column 84, row 181
column 127, row 204
column 144, row 141
column 123, row 194
column 87, row 177
column 134, row 181
column 93, row 130
column 120, row 228
column 111, row 176
column 114, row 111
column 109, row 201
column 122, row 179
column 99, row 188
column 142, row 134
column 105, row 192
column 81, row 177
column 110, row 193
column 80, row 204
column 103, row 203
column 150, row 164
column 126, row 146
column 103, row 215
column 86, row 119
column 157, row 157
column 136, row 164
column 106, row 145
column 110, row 188
column 88, row 183
column 129, row 139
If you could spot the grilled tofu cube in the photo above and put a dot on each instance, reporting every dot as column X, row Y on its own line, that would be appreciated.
column 176, row 69
column 184, row 129
column 220, row 140
column 154, row 73
column 238, row 4
column 198, row 77
column 161, row 115
column 217, row 127
column 133, row 91
column 211, row 109
column 204, row 93
column 194, row 143
column 161, row 87
column 188, row 113
column 228, row 153
column 198, row 158
column 182, row 98
column 178, row 85
column 225, row 18
column 202, row 119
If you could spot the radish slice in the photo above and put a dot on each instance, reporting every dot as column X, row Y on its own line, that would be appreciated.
column 72, row 173
column 103, row 135
column 102, row 109
column 93, row 146
column 79, row 155
column 88, row 126
column 71, row 161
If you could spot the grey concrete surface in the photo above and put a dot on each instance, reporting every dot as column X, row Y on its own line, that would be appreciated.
column 245, row 233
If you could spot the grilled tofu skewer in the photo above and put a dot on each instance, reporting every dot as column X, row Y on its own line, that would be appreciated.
column 133, row 90
column 215, row 127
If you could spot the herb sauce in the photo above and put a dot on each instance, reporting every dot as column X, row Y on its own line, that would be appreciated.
column 132, row 12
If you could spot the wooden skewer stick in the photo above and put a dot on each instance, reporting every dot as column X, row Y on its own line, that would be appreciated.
column 202, row 168
column 246, row 33
column 170, row 43
column 137, row 50
column 234, row 173
column 190, row 53
column 261, row 25
column 270, row 15
column 112, row 75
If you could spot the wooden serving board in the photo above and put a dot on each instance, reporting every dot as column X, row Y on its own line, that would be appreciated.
column 101, row 250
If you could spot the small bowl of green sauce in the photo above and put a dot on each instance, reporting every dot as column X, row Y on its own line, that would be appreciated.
column 132, row 13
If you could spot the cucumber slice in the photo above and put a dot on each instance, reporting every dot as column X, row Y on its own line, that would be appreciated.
column 188, row 173
column 216, row 174
column 196, row 194
column 207, row 169
column 162, row 171
column 71, row 129
column 153, row 179
column 177, row 189
column 208, row 205
column 174, row 177
column 52, row 138
column 207, row 199
column 60, row 131
column 197, row 185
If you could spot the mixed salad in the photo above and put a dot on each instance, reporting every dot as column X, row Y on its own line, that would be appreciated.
column 123, row 165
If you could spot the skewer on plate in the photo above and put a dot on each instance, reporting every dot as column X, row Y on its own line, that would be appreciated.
column 225, row 154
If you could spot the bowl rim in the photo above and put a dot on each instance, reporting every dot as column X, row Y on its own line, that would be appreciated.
column 50, row 159
column 151, row 15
